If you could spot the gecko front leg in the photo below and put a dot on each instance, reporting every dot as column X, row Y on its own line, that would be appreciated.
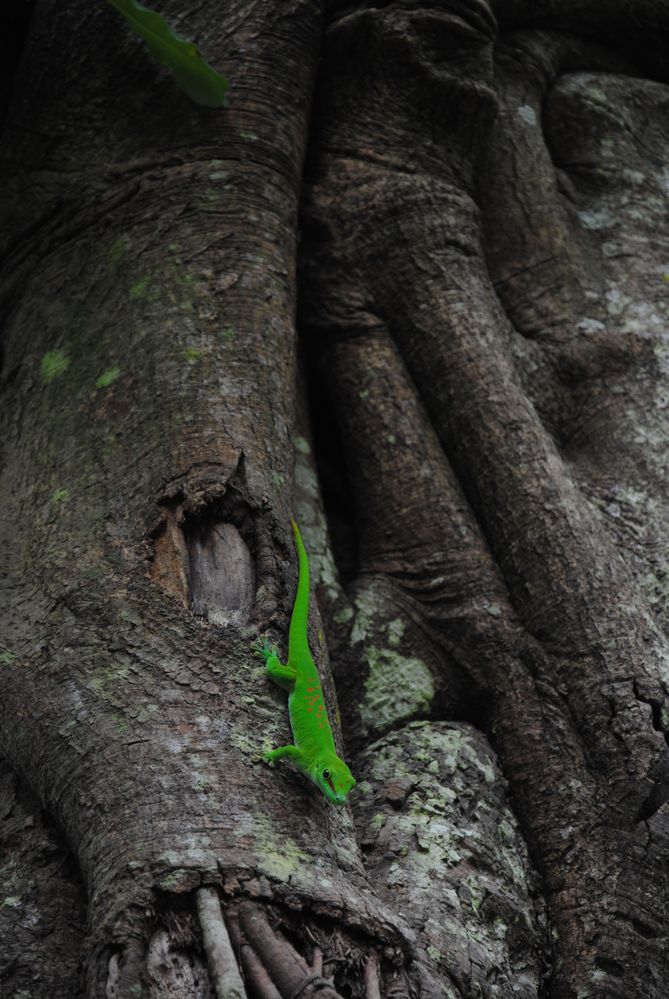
column 276, row 754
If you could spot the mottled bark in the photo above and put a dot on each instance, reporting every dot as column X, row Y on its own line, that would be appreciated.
column 475, row 448
column 486, row 264
column 148, row 293
column 42, row 905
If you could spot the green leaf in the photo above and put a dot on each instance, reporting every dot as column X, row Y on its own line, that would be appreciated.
column 202, row 83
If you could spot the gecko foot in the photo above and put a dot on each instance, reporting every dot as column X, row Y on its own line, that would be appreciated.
column 264, row 649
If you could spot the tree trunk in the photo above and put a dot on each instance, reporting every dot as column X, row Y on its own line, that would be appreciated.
column 472, row 438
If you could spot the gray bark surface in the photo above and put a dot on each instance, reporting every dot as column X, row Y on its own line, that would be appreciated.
column 472, row 201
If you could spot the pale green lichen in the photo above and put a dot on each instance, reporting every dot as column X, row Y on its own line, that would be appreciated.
column 396, row 687
column 396, row 629
column 635, row 177
column 121, row 724
column 60, row 495
column 53, row 364
column 434, row 953
column 110, row 443
column 272, row 727
column 396, row 876
column 366, row 608
column 505, row 832
column 596, row 94
column 138, row 289
column 434, row 842
column 314, row 532
column 363, row 787
column 597, row 219
column 107, row 377
column 527, row 113
column 146, row 711
column 117, row 252
column 106, row 679
column 6, row 657
column 209, row 196
column 202, row 784
column 115, row 672
column 229, row 335
column 499, row 928
column 476, row 898
column 192, row 354
column 188, row 854
column 302, row 445
column 377, row 822
column 281, row 857
column 170, row 881
column 616, row 301
column 343, row 615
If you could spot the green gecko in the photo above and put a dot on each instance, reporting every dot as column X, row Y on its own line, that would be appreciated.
column 314, row 751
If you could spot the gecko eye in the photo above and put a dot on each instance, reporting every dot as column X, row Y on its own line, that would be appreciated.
column 326, row 775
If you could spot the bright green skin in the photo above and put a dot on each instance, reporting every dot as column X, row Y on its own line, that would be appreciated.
column 314, row 751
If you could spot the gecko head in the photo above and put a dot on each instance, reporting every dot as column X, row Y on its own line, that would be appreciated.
column 333, row 778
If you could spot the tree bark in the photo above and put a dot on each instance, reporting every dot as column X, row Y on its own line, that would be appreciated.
column 472, row 199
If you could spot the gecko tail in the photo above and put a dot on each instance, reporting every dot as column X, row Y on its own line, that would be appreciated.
column 301, row 551
column 297, row 635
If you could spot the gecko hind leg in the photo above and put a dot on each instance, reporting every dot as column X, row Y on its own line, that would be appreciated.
column 283, row 675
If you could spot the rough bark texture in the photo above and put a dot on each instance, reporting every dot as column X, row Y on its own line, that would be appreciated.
column 42, row 905
column 475, row 446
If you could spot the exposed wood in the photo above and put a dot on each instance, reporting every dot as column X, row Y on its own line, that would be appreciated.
column 222, row 576
column 169, row 567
